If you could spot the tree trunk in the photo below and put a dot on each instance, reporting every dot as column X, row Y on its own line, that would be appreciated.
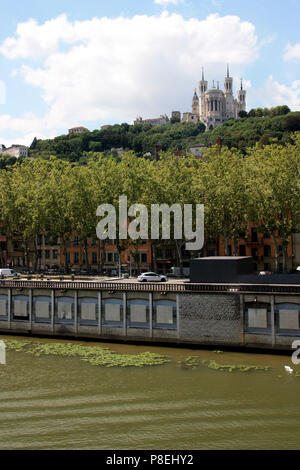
column 154, row 260
column 66, row 267
column 137, row 262
column 85, row 242
column 276, row 253
column 178, row 244
column 235, row 245
column 284, row 258
column 120, row 269
column 226, row 245
column 102, row 255
column 35, row 263
column 26, row 256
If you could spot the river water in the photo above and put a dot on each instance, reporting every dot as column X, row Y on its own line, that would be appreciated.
column 58, row 402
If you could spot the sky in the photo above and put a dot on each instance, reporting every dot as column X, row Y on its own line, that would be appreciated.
column 66, row 63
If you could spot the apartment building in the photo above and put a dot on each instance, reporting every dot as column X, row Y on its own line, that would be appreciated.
column 48, row 252
column 76, row 253
column 131, row 259
column 262, row 250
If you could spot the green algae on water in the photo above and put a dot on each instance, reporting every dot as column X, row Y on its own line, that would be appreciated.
column 192, row 362
column 95, row 355
column 15, row 344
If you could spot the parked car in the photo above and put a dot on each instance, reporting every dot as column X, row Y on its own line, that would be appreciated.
column 75, row 271
column 265, row 273
column 152, row 277
column 51, row 271
column 7, row 272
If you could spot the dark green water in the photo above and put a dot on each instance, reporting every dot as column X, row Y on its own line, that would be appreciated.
column 53, row 402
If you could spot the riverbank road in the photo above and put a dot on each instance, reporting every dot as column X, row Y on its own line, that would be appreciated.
column 68, row 278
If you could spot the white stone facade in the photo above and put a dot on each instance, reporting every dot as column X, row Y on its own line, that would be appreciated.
column 214, row 106
column 15, row 150
column 163, row 119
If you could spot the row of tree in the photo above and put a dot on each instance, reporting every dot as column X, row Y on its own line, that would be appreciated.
column 56, row 197
column 263, row 112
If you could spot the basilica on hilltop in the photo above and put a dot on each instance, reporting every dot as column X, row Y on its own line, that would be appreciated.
column 214, row 106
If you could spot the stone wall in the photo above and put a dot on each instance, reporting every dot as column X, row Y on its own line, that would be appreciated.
column 210, row 319
column 225, row 319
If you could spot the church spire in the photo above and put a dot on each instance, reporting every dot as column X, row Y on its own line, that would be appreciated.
column 227, row 70
column 202, row 74
column 241, row 84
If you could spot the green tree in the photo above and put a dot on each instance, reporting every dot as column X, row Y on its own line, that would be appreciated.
column 273, row 191
column 222, row 181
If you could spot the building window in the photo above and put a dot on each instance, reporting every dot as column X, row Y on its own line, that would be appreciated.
column 94, row 257
column 40, row 240
column 254, row 253
column 68, row 258
column 229, row 249
column 94, row 242
column 76, row 240
column 55, row 254
column 48, row 240
column 254, row 237
column 76, row 257
column 116, row 257
column 47, row 254
column 169, row 253
column 242, row 250
column 144, row 257
column 109, row 257
column 267, row 251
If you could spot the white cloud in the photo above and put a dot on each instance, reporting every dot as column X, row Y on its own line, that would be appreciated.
column 2, row 92
column 38, row 41
column 278, row 94
column 27, row 127
column 292, row 52
column 107, row 69
column 25, row 140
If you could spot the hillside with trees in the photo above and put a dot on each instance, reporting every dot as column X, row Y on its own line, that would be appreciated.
column 258, row 126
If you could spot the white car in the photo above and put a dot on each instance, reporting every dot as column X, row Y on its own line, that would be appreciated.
column 152, row 277
column 6, row 272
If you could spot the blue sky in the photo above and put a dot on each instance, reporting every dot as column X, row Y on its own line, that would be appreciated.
column 66, row 63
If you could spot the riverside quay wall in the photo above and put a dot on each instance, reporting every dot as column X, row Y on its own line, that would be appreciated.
column 232, row 315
